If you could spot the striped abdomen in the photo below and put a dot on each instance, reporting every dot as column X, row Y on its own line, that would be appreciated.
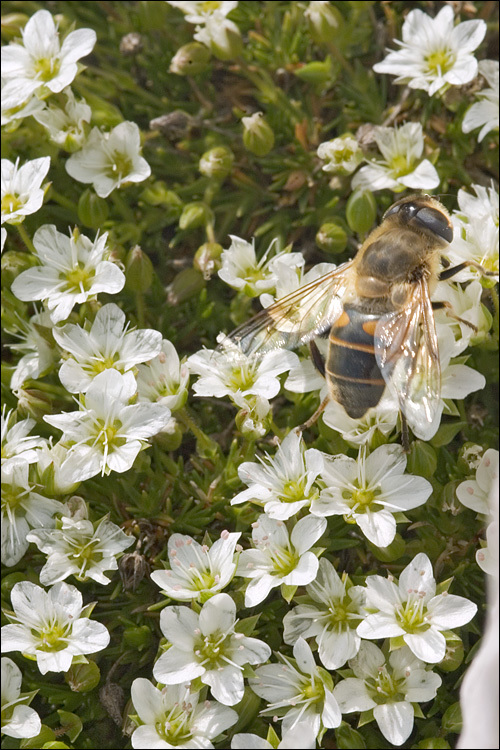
column 351, row 367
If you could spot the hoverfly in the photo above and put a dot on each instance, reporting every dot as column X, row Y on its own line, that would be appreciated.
column 377, row 313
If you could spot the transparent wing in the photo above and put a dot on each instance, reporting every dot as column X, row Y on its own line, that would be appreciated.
column 296, row 318
column 406, row 349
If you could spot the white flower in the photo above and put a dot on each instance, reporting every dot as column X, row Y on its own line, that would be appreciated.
column 331, row 616
column 412, row 610
column 197, row 571
column 369, row 490
column 80, row 548
column 18, row 719
column 66, row 127
column 475, row 236
column 232, row 373
column 388, row 688
column 164, row 380
column 485, row 111
column 42, row 59
column 279, row 557
column 434, row 53
column 53, row 468
column 285, row 483
column 110, row 160
column 18, row 101
column 108, row 345
column 474, row 493
column 402, row 166
column 341, row 155
column 174, row 718
column 379, row 419
column 22, row 193
column 487, row 555
column 465, row 302
column 107, row 433
column 52, row 626
column 254, row 418
column 220, row 35
column 16, row 445
column 22, row 510
column 71, row 270
column 289, row 278
column 199, row 12
column 298, row 691
column 241, row 270
column 38, row 354
column 300, row 736
column 208, row 646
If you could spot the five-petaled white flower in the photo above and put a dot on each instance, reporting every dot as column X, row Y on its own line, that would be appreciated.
column 434, row 53
column 388, row 688
column 66, row 127
column 298, row 690
column 283, row 484
column 279, row 557
column 484, row 112
column 80, row 548
column 110, row 160
column 342, row 155
column 22, row 193
column 475, row 493
column 197, row 571
column 465, row 302
column 414, row 611
column 18, row 719
column 175, row 718
column 107, row 345
column 208, row 646
column 108, row 432
column 22, row 509
column 71, row 270
column 41, row 61
column 17, row 445
column 53, row 626
column 369, row 490
column 402, row 166
column 38, row 353
column 334, row 610
column 164, row 380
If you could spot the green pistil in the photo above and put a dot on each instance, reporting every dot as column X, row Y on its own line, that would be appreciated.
column 384, row 688
column 11, row 203
column 284, row 561
column 47, row 68
column 120, row 165
column 360, row 499
column 52, row 638
column 411, row 615
column 78, row 278
column 293, row 491
column 440, row 62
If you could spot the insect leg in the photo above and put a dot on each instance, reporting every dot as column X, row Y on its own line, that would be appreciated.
column 405, row 439
column 317, row 358
column 312, row 420
column 449, row 272
column 449, row 311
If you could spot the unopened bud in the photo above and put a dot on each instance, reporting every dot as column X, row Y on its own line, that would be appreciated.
column 194, row 215
column 191, row 59
column 331, row 238
column 317, row 72
column 207, row 258
column 92, row 210
column 12, row 23
column 361, row 211
column 83, row 677
column 138, row 270
column 188, row 283
column 14, row 263
column 323, row 20
column 217, row 162
column 258, row 138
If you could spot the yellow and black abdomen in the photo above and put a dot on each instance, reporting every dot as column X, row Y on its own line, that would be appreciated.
column 351, row 367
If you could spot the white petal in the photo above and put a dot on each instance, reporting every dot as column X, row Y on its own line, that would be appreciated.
column 352, row 695
column 449, row 611
column 429, row 646
column 395, row 721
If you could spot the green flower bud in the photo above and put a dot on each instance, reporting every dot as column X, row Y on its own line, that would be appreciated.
column 361, row 211
column 194, row 215
column 92, row 210
column 138, row 270
column 393, row 551
column 331, row 238
column 348, row 738
column 138, row 638
column 316, row 73
column 188, row 283
column 223, row 38
column 35, row 403
column 217, row 162
column 83, row 677
column 169, row 441
column 454, row 654
column 323, row 20
column 207, row 258
column 191, row 59
column 248, row 710
column 158, row 194
column 258, row 138
column 13, row 263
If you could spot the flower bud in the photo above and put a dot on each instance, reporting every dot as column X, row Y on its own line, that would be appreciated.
column 170, row 441
column 361, row 211
column 323, row 20
column 331, row 238
column 12, row 23
column 258, row 138
column 222, row 37
column 217, row 162
column 92, row 210
column 317, row 72
column 194, row 215
column 207, row 258
column 393, row 551
column 341, row 155
column 138, row 638
column 158, row 194
column 83, row 677
column 35, row 403
column 191, row 59
column 188, row 283
column 138, row 270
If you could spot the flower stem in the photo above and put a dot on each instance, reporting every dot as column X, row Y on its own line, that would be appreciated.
column 140, row 308
column 62, row 200
column 26, row 239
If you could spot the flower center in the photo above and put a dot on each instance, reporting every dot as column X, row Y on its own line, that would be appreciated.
column 412, row 614
column 294, row 490
column 284, row 561
column 440, row 62
column 99, row 365
column 241, row 378
column 47, row 68
column 52, row 638
column 209, row 650
column 210, row 6
column 361, row 499
column 11, row 203
column 175, row 727
column 78, row 278
column 384, row 688
column 401, row 165
column 119, row 166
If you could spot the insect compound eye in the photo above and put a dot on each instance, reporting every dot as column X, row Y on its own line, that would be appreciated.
column 407, row 210
column 435, row 221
